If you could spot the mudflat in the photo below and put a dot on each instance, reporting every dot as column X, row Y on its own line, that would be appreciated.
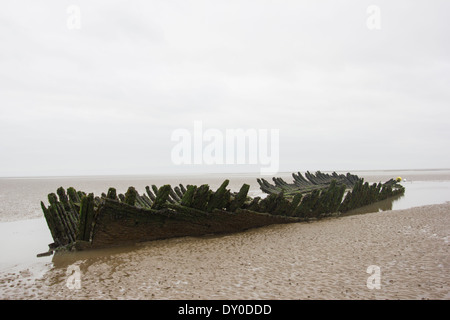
column 327, row 259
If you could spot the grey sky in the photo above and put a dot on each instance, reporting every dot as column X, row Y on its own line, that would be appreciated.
column 105, row 99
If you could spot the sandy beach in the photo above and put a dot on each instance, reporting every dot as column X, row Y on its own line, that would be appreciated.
column 327, row 259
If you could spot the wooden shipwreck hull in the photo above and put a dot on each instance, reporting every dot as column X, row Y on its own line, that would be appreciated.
column 119, row 222
column 81, row 221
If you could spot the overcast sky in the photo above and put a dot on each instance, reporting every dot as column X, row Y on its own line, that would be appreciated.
column 106, row 98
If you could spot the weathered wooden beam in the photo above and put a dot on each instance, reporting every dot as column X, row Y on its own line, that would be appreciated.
column 51, row 223
column 295, row 202
column 73, row 195
column 86, row 218
column 151, row 195
column 218, row 200
column 201, row 197
column 254, row 205
column 69, row 209
column 147, row 200
column 81, row 194
column 140, row 202
column 172, row 196
column 112, row 194
column 130, row 196
column 155, row 189
column 240, row 198
column 178, row 192
column 63, row 197
column 65, row 225
column 282, row 205
column 188, row 196
column 161, row 197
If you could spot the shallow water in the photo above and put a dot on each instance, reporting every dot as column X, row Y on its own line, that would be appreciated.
column 417, row 193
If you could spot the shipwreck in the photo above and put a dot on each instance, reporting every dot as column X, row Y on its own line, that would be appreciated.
column 79, row 221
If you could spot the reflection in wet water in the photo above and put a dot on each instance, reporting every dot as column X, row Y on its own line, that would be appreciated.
column 383, row 205
column 417, row 193
column 62, row 260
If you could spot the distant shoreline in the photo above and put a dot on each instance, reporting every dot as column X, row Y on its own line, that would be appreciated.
column 194, row 174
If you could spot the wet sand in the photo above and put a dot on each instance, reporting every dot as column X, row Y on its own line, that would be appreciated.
column 327, row 259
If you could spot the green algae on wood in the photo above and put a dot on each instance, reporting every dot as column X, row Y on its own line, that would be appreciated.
column 79, row 221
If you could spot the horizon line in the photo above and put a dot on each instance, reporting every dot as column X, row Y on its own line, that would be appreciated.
column 210, row 173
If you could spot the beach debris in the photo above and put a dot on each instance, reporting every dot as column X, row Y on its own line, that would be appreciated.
column 79, row 221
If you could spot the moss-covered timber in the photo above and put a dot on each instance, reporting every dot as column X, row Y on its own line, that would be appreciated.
column 79, row 220
column 307, row 183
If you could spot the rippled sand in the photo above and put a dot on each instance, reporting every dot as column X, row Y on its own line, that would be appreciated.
column 319, row 260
